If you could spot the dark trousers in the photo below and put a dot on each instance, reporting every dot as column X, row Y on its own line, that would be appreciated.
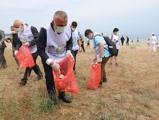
column 15, row 58
column 82, row 46
column 103, row 73
column 50, row 84
column 74, row 53
column 122, row 43
column 3, row 63
column 35, row 68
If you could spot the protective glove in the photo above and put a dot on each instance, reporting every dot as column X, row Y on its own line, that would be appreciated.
column 27, row 44
column 15, row 52
column 69, row 53
column 55, row 66
column 99, row 60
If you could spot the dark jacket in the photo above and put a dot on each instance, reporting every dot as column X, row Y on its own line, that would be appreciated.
column 17, row 43
column 42, row 44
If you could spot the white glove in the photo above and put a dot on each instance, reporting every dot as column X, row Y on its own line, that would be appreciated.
column 27, row 44
column 99, row 60
column 15, row 52
column 55, row 66
column 69, row 53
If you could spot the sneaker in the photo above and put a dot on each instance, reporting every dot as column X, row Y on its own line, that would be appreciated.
column 39, row 77
column 23, row 82
column 105, row 80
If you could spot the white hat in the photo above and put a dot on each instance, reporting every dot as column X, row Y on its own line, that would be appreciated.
column 153, row 33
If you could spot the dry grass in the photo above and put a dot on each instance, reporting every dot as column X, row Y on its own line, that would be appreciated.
column 132, row 92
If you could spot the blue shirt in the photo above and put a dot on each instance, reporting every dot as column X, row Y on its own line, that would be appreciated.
column 97, row 40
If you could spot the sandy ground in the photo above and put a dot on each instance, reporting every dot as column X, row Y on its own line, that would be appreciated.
column 132, row 91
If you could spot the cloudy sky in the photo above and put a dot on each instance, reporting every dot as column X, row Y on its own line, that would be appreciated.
column 139, row 17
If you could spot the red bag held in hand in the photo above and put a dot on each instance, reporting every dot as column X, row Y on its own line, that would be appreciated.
column 95, row 77
column 24, row 57
column 68, row 82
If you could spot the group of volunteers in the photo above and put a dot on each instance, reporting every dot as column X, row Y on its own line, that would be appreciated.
column 53, row 43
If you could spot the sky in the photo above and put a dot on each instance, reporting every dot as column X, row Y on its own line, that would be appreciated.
column 132, row 17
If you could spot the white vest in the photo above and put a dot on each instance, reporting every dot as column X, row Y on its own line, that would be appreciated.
column 153, row 39
column 116, row 41
column 27, row 36
column 75, row 38
column 56, row 43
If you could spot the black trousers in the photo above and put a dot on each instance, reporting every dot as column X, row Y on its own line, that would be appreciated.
column 13, row 51
column 3, row 63
column 50, row 84
column 35, row 68
column 82, row 46
column 103, row 73
column 74, row 53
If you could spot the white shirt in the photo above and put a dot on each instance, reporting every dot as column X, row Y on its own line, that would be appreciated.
column 75, row 38
column 116, row 41
column 153, row 39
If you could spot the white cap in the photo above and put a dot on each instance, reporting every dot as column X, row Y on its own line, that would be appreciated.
column 153, row 33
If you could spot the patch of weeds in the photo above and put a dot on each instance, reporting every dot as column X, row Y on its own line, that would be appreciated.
column 46, row 105
column 100, row 105
column 106, row 116
column 121, row 116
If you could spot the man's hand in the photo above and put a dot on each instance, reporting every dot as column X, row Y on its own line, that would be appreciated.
column 27, row 44
column 15, row 52
column 99, row 60
column 69, row 53
column 95, row 60
column 55, row 66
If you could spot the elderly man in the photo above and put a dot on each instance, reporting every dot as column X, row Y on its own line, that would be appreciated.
column 54, row 44
column 26, row 35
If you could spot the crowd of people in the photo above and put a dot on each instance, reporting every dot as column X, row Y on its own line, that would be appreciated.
column 57, row 40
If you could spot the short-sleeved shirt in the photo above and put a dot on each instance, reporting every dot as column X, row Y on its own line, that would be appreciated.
column 115, row 39
column 97, row 40
column 75, row 38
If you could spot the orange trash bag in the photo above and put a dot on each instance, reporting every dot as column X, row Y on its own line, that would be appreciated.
column 24, row 57
column 66, row 83
column 95, row 76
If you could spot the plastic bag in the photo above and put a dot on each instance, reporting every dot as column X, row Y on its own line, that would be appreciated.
column 95, row 76
column 68, row 82
column 24, row 57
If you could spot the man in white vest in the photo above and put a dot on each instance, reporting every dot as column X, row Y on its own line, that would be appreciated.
column 26, row 35
column 54, row 44
column 153, row 43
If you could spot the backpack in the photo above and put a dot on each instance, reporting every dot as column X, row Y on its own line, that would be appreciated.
column 111, row 45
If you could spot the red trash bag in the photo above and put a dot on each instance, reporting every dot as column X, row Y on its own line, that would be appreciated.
column 68, row 82
column 24, row 57
column 95, row 76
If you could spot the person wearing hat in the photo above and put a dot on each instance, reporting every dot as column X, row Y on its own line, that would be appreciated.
column 153, row 42
column 26, row 35
column 55, row 43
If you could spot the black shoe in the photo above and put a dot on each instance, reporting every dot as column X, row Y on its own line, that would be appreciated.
column 64, row 98
column 23, row 82
column 39, row 77
column 105, row 80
